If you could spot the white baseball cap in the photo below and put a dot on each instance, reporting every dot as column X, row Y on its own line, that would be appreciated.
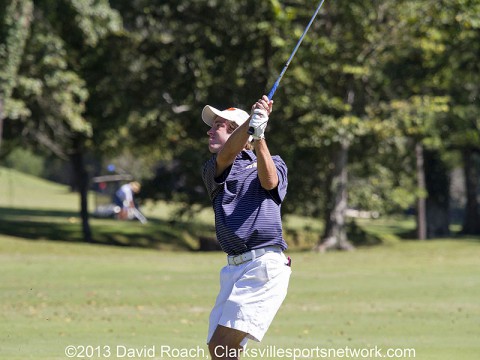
column 238, row 116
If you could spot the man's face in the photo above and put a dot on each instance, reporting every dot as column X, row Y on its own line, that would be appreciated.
column 218, row 135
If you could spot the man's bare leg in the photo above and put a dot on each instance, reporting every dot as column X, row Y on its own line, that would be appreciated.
column 225, row 343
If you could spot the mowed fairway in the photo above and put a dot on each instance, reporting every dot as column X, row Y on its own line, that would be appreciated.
column 111, row 302
column 416, row 296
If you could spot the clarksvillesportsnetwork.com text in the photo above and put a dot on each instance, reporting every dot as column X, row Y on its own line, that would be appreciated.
column 319, row 353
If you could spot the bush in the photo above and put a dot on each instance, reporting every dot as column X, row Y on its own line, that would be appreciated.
column 26, row 161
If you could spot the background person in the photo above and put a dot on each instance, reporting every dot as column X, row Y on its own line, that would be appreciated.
column 124, row 198
column 247, row 190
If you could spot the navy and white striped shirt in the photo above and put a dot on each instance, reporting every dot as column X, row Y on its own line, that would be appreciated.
column 246, row 215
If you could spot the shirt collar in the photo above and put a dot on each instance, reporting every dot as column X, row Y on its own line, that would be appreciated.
column 247, row 154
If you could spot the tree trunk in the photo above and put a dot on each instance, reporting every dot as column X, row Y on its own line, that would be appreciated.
column 81, row 179
column 335, row 234
column 1, row 122
column 438, row 201
column 471, row 222
column 421, row 201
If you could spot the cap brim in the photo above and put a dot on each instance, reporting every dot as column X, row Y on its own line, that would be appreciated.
column 238, row 116
column 209, row 113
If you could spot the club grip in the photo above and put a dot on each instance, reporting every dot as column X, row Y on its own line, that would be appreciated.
column 273, row 89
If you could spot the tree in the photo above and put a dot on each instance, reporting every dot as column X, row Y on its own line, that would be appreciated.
column 184, row 60
column 462, row 72
column 373, row 81
column 326, row 94
column 14, row 31
column 367, row 71
column 422, row 64
column 50, row 85
column 335, row 235
column 471, row 223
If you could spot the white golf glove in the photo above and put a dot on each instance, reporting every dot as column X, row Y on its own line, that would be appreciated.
column 258, row 123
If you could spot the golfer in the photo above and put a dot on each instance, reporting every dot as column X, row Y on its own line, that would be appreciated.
column 247, row 189
column 123, row 198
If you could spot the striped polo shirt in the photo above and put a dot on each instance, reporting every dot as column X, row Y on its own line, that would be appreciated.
column 247, row 216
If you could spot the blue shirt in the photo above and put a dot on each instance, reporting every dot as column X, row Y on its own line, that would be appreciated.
column 246, row 215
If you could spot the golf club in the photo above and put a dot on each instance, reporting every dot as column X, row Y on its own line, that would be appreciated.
column 277, row 82
column 137, row 214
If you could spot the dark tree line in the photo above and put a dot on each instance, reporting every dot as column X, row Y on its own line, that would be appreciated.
column 380, row 103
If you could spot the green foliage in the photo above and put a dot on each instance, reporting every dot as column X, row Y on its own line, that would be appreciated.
column 132, row 77
column 95, row 19
column 53, row 94
column 15, row 21
column 380, row 189
column 419, row 117
column 25, row 161
column 50, row 93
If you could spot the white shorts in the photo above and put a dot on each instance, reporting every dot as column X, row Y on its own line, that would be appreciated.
column 250, row 295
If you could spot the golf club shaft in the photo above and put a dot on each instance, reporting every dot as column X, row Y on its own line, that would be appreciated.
column 277, row 82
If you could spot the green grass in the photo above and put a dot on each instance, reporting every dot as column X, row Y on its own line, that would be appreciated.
column 40, row 210
column 19, row 190
column 37, row 209
column 410, row 295
column 56, row 291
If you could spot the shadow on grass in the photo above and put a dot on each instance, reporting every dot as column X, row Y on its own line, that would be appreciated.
column 454, row 235
column 60, row 225
column 359, row 237
column 410, row 234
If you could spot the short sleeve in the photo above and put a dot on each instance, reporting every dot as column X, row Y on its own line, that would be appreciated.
column 280, row 191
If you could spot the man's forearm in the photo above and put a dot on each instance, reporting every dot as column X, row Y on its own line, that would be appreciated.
column 267, row 172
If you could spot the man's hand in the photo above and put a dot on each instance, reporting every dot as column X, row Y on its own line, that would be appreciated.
column 264, row 104
column 258, row 122
column 259, row 119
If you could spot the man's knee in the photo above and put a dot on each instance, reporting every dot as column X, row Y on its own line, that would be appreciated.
column 225, row 343
column 223, row 352
column 217, row 351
